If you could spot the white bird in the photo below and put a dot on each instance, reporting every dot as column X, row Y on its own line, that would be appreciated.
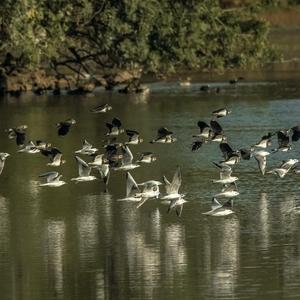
column 172, row 188
column 131, row 189
column 104, row 172
column 29, row 148
column 261, row 158
column 87, row 149
column 229, row 191
column 220, row 210
column 3, row 157
column 285, row 167
column 225, row 174
column 150, row 189
column 56, row 158
column 265, row 141
column 84, row 171
column 52, row 179
column 146, row 158
column 126, row 163
column 99, row 160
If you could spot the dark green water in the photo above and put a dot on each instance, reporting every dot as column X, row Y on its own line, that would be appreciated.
column 77, row 242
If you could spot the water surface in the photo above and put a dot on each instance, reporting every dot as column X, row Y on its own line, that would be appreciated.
column 78, row 242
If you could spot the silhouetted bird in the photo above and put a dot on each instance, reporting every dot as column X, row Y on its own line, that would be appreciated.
column 64, row 127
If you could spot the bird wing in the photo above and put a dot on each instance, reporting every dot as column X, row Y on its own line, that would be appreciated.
column 50, row 176
column 245, row 153
column 202, row 125
column 57, row 158
column 215, row 203
column 216, row 127
column 2, row 163
column 131, row 133
column 225, row 173
column 109, row 126
column 98, row 159
column 127, row 155
column 262, row 163
column 86, row 145
column 103, row 170
column 83, row 168
column 116, row 122
column 167, row 185
column 226, row 150
column 230, row 187
column 179, row 210
column 296, row 133
column 283, row 139
column 131, row 185
column 176, row 182
column 163, row 131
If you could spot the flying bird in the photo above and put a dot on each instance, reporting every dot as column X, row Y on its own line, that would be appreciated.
column 220, row 210
column 134, row 137
column 64, row 127
column 164, row 136
column 19, row 133
column 84, row 171
column 222, row 112
column 103, row 108
column 114, row 128
column 52, row 179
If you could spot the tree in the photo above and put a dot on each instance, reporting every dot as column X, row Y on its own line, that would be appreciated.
column 159, row 37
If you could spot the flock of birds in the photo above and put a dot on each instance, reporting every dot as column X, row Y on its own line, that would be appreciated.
column 117, row 156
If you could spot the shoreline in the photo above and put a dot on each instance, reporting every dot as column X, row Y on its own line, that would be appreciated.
column 284, row 33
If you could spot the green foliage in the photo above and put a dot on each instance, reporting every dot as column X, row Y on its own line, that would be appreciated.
column 155, row 36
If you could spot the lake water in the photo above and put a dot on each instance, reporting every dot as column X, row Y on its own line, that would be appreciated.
column 78, row 242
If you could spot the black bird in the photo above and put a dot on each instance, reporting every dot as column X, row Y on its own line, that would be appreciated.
column 64, row 127
column 19, row 133
column 283, row 140
column 113, row 152
column 217, row 130
column 164, row 136
column 216, row 127
column 55, row 156
column 114, row 127
column 134, row 137
column 231, row 157
column 205, row 130
column 226, row 150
